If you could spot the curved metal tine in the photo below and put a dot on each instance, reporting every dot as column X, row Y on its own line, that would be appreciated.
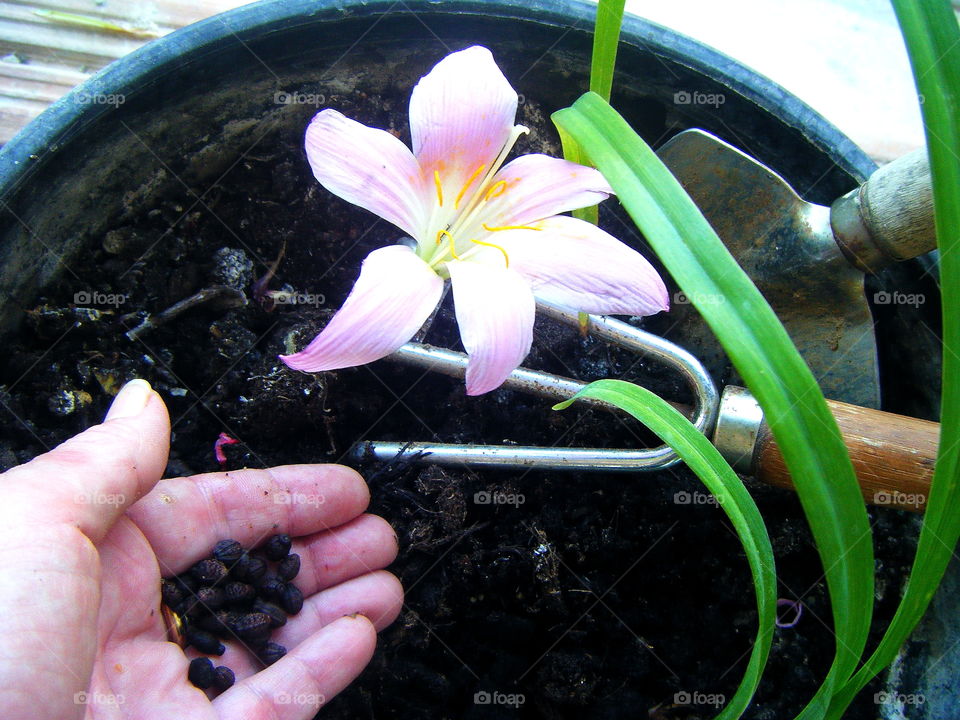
column 454, row 364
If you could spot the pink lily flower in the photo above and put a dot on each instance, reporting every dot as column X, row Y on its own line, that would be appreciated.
column 493, row 229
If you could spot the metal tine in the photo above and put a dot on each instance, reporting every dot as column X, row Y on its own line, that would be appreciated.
column 454, row 364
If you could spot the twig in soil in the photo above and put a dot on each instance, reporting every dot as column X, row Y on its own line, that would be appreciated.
column 260, row 293
column 455, row 537
column 224, row 296
column 398, row 464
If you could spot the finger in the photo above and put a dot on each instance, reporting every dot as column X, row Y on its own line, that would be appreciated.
column 364, row 544
column 184, row 518
column 377, row 596
column 297, row 685
column 89, row 480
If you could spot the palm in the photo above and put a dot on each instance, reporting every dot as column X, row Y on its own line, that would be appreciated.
column 176, row 525
column 136, row 668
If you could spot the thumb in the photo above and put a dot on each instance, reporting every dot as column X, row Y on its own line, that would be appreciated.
column 91, row 479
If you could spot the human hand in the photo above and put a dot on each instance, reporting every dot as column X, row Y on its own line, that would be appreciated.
column 89, row 528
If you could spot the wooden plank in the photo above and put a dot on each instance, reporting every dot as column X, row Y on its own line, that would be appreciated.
column 43, row 56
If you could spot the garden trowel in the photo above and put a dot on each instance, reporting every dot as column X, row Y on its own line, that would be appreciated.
column 808, row 260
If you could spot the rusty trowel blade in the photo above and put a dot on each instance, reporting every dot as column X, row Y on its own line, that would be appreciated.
column 787, row 248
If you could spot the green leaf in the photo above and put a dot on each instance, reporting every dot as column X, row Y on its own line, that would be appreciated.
column 762, row 352
column 933, row 43
column 606, row 37
column 574, row 153
column 704, row 459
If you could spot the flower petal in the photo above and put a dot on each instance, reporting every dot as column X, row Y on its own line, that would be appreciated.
column 461, row 115
column 393, row 296
column 539, row 186
column 572, row 263
column 495, row 311
column 370, row 168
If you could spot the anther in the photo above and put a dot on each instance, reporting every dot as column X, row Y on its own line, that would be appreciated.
column 509, row 227
column 467, row 184
column 506, row 257
column 496, row 190
column 436, row 181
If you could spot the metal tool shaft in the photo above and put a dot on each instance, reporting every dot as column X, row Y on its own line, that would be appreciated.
column 555, row 387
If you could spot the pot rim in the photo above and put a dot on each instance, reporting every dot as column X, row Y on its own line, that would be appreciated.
column 66, row 119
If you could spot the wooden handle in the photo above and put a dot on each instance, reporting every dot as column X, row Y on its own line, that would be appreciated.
column 890, row 217
column 893, row 455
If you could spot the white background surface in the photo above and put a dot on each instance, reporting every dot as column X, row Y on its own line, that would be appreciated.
column 845, row 58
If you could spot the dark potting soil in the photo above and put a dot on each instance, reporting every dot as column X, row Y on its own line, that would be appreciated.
column 573, row 595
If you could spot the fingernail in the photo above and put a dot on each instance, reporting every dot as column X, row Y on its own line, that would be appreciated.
column 131, row 400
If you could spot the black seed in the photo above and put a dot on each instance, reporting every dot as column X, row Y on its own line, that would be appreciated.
column 226, row 618
column 291, row 599
column 204, row 641
column 277, row 547
column 256, row 569
column 217, row 623
column 209, row 571
column 278, row 617
column 252, row 626
column 289, row 567
column 228, row 552
column 270, row 587
column 271, row 652
column 238, row 569
column 223, row 678
column 211, row 598
column 188, row 607
column 239, row 594
column 201, row 672
column 255, row 644
column 186, row 583
column 170, row 592
column 209, row 622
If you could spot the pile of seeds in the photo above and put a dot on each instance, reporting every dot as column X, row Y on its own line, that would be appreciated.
column 235, row 595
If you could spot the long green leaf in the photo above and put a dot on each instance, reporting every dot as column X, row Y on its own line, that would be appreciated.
column 765, row 357
column 933, row 42
column 606, row 38
column 704, row 459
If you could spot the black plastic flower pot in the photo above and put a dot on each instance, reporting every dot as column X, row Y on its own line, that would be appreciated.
column 125, row 179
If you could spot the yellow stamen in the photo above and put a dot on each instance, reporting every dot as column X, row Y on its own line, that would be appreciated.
column 436, row 181
column 509, row 227
column 496, row 190
column 441, row 233
column 489, row 244
column 467, row 184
